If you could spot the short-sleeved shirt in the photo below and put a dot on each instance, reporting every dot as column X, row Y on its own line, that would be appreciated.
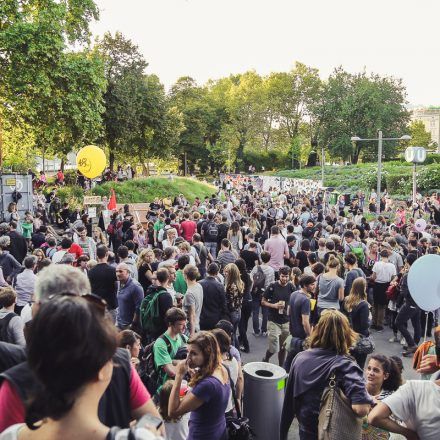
column 328, row 292
column 164, row 357
column 417, row 403
column 208, row 421
column 194, row 297
column 299, row 305
column 277, row 248
column 274, row 294
column 384, row 271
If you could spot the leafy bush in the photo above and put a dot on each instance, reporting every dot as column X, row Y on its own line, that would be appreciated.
column 399, row 183
column 428, row 177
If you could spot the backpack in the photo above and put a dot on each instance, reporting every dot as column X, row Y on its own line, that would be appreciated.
column 111, row 229
column 148, row 372
column 358, row 251
column 259, row 280
column 4, row 323
column 212, row 231
column 149, row 310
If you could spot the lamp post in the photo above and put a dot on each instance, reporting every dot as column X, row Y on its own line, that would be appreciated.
column 322, row 166
column 380, row 140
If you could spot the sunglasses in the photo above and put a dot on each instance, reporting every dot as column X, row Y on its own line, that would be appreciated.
column 95, row 300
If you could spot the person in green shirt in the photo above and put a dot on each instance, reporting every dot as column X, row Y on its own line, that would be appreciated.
column 180, row 283
column 158, row 225
column 166, row 346
column 27, row 226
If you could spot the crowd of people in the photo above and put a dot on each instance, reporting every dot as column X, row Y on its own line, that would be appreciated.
column 103, row 324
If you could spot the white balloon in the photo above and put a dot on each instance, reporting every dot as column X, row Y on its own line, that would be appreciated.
column 420, row 225
column 424, row 282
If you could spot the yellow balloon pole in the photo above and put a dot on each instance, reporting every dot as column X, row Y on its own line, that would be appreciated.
column 91, row 161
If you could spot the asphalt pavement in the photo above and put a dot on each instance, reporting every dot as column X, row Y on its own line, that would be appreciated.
column 258, row 347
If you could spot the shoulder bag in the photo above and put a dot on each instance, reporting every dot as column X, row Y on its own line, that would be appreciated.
column 237, row 427
column 336, row 420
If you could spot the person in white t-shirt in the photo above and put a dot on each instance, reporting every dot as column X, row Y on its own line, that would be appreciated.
column 417, row 404
column 383, row 273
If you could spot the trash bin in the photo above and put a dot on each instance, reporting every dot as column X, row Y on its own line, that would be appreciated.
column 334, row 198
column 264, row 385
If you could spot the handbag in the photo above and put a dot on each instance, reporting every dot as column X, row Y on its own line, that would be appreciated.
column 364, row 345
column 237, row 427
column 336, row 420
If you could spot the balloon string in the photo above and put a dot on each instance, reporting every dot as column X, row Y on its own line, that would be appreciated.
column 426, row 325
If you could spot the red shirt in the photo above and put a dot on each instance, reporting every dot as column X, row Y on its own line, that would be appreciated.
column 188, row 229
column 76, row 249
column 12, row 409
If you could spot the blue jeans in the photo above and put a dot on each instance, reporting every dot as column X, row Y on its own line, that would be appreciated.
column 256, row 305
column 212, row 248
column 235, row 319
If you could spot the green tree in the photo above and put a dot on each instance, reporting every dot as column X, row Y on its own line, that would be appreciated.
column 123, row 98
column 420, row 137
column 359, row 105
column 190, row 100
column 37, row 74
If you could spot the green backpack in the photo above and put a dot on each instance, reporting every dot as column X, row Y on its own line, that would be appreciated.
column 149, row 310
column 359, row 253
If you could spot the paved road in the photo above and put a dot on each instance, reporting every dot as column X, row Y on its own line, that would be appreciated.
column 258, row 346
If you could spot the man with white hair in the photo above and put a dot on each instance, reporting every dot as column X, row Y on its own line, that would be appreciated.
column 130, row 295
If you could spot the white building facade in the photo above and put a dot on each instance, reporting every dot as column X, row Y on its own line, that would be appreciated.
column 431, row 118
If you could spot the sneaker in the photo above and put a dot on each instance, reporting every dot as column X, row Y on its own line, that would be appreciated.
column 403, row 341
column 264, row 334
column 379, row 329
column 394, row 339
column 410, row 351
column 256, row 334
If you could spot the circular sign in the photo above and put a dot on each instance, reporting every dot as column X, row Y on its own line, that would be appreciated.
column 91, row 161
column 415, row 154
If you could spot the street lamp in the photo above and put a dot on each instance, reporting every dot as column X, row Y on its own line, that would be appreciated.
column 379, row 140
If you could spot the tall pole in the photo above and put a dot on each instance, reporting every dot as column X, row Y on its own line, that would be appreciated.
column 322, row 165
column 229, row 161
column 414, row 189
column 185, row 169
column 379, row 172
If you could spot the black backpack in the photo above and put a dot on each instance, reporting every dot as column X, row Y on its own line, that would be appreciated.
column 148, row 372
column 4, row 323
column 259, row 280
column 212, row 230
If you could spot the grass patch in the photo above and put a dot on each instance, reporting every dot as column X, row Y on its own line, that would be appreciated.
column 146, row 190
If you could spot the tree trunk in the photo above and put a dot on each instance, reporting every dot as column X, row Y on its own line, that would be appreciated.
column 62, row 165
column 1, row 142
column 111, row 159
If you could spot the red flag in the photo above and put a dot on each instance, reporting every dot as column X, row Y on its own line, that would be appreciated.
column 112, row 203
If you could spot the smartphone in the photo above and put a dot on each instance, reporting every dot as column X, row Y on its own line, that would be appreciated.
column 149, row 420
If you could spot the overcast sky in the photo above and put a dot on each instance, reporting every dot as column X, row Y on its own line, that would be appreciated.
column 214, row 38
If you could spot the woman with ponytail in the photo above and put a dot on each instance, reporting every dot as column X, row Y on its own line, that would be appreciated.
column 70, row 346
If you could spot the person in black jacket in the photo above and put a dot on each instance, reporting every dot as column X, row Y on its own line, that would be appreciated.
column 18, row 247
column 214, row 300
column 409, row 310
column 357, row 308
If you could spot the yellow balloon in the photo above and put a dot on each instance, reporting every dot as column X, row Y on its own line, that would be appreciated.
column 91, row 161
